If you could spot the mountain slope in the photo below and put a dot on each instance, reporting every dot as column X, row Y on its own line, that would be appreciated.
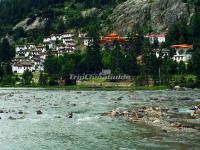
column 28, row 18
column 157, row 15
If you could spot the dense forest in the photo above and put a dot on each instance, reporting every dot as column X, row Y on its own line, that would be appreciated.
column 14, row 11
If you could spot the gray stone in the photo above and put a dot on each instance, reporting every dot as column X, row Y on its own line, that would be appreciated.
column 39, row 112
column 69, row 115
column 20, row 112
column 11, row 118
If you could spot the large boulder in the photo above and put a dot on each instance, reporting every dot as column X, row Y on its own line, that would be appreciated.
column 114, row 113
column 197, row 113
column 177, row 88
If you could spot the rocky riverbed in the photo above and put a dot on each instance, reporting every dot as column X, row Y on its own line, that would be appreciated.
column 58, row 119
column 168, row 120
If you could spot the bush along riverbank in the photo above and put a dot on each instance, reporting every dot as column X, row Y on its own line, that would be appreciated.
column 43, row 80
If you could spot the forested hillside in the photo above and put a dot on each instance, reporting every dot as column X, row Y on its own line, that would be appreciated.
column 53, row 15
column 33, row 19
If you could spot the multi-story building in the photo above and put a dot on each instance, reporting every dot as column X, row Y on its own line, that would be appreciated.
column 183, row 52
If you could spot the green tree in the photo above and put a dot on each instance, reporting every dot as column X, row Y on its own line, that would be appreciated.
column 173, row 35
column 196, row 42
column 150, row 61
column 195, row 33
column 27, row 77
column 169, row 66
column 52, row 66
column 106, row 59
column 67, row 68
column 43, row 78
column 6, row 51
column 181, row 67
column 196, row 63
column 60, row 27
column 93, row 56
column 190, row 67
column 138, row 40
column 116, row 58
column 130, row 61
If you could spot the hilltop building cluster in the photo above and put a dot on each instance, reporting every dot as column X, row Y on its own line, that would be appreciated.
column 32, row 57
column 29, row 57
column 183, row 52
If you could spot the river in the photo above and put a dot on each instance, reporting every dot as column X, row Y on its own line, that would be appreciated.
column 88, row 129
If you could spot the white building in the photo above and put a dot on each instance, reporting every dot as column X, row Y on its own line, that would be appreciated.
column 105, row 72
column 30, row 46
column 68, row 40
column 67, row 35
column 47, row 40
column 161, row 52
column 153, row 37
column 55, row 37
column 41, row 48
column 20, row 47
column 183, row 52
column 81, row 35
column 87, row 41
column 20, row 67
column 60, row 47
column 24, row 47
column 29, row 57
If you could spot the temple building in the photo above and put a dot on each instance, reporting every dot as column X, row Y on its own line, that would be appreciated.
column 154, row 37
column 183, row 52
column 112, row 37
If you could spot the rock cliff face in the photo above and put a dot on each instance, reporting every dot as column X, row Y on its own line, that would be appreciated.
column 155, row 14
column 35, row 24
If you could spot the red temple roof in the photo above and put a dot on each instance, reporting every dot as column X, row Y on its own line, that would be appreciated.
column 112, row 37
column 155, row 35
column 179, row 46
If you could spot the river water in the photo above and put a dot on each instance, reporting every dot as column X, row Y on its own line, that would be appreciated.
column 88, row 129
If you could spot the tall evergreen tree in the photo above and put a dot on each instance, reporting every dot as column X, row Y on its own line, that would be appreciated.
column 6, row 51
column 27, row 77
column 61, row 27
column 130, row 61
column 93, row 56
column 196, row 62
column 173, row 35
column 52, row 66
column 196, row 44
column 116, row 58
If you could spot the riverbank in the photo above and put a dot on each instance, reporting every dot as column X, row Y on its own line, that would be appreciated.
column 89, row 88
